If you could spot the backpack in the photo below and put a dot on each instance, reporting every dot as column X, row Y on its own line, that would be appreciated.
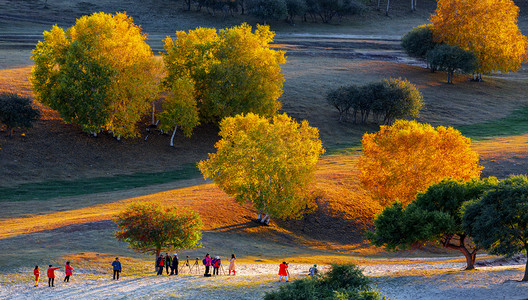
column 217, row 263
column 204, row 261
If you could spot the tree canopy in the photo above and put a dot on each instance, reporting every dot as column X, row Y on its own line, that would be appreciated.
column 498, row 221
column 434, row 216
column 16, row 112
column 266, row 161
column 150, row 228
column 231, row 72
column 401, row 160
column 450, row 59
column 486, row 28
column 418, row 41
column 98, row 74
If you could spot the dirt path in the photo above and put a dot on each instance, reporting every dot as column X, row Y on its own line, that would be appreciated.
column 254, row 280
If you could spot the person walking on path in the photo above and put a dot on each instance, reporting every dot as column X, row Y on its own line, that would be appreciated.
column 216, row 265
column 36, row 272
column 232, row 264
column 69, row 271
column 174, row 267
column 160, row 262
column 283, row 271
column 207, row 263
column 168, row 262
column 51, row 275
column 116, row 264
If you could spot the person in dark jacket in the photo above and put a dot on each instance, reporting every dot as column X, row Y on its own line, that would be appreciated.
column 168, row 262
column 160, row 262
column 174, row 267
column 116, row 265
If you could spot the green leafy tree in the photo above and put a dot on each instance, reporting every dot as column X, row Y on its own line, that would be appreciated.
column 268, row 162
column 435, row 216
column 16, row 112
column 295, row 8
column 98, row 74
column 179, row 108
column 151, row 228
column 450, row 59
column 341, row 282
column 232, row 72
column 400, row 99
column 267, row 10
column 418, row 41
column 498, row 221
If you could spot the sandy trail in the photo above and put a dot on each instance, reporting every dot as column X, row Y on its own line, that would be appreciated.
column 254, row 280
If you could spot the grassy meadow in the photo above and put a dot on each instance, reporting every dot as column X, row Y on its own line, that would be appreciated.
column 61, row 188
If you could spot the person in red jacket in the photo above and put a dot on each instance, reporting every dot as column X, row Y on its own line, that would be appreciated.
column 36, row 272
column 51, row 275
column 69, row 271
column 283, row 271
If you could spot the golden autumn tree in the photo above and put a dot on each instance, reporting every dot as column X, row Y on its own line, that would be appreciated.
column 487, row 28
column 99, row 73
column 406, row 158
column 232, row 71
column 267, row 162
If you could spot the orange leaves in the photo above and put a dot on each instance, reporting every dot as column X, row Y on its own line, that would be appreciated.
column 406, row 158
column 487, row 28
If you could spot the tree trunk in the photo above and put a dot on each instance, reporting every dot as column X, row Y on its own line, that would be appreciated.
column 173, row 134
column 265, row 219
column 525, row 278
column 378, row 7
column 470, row 256
column 153, row 110
column 387, row 10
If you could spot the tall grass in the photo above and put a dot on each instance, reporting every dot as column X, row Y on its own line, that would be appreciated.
column 62, row 188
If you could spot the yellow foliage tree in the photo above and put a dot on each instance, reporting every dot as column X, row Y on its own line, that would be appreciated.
column 406, row 158
column 99, row 73
column 267, row 162
column 487, row 28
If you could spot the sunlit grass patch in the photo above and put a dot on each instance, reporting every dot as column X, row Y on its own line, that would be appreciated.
column 514, row 124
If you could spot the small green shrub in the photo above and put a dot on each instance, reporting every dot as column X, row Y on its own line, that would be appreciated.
column 16, row 112
column 343, row 282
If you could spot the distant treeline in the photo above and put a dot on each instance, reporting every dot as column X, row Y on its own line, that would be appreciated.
column 267, row 10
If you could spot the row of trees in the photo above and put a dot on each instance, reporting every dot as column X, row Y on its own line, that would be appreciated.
column 387, row 100
column 467, row 216
column 470, row 37
column 268, row 10
column 101, row 75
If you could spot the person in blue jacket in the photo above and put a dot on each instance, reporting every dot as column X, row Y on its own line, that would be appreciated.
column 116, row 264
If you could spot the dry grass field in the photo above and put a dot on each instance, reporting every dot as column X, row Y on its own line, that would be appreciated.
column 60, row 188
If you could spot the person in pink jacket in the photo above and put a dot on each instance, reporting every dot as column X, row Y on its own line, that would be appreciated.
column 69, row 271
column 207, row 263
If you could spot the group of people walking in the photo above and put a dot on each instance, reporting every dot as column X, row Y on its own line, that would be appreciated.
column 216, row 263
column 68, row 270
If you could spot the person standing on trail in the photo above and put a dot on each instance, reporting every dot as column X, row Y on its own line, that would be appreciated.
column 160, row 262
column 216, row 265
column 36, row 272
column 116, row 264
column 283, row 271
column 51, row 275
column 207, row 263
column 168, row 262
column 232, row 264
column 69, row 271
column 174, row 267
column 313, row 270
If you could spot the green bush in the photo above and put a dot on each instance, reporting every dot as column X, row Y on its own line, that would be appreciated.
column 16, row 112
column 418, row 41
column 341, row 282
